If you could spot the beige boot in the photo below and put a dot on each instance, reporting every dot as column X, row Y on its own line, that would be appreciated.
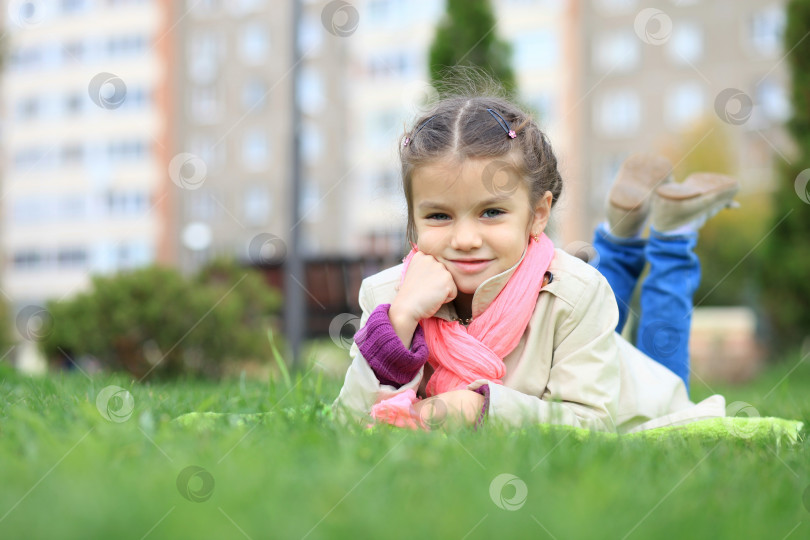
column 696, row 199
column 629, row 198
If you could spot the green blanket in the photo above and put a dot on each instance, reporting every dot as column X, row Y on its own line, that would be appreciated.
column 758, row 430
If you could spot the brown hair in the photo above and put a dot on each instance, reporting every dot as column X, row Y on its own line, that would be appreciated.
column 460, row 127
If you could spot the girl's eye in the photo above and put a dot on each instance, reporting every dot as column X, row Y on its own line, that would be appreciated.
column 437, row 216
column 495, row 213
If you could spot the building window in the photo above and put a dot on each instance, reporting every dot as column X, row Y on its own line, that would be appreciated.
column 25, row 58
column 73, row 207
column 239, row 8
column 253, row 43
column 74, row 103
column 256, row 206
column 123, row 46
column 71, row 258
column 546, row 108
column 205, row 52
column 773, row 100
column 71, row 7
column 209, row 149
column 536, row 50
column 204, row 104
column 123, row 151
column 29, row 259
column 616, row 7
column 766, row 28
column 31, row 210
column 74, row 52
column 72, row 154
column 136, row 98
column 310, row 36
column 618, row 113
column 201, row 206
column 311, row 201
column 684, row 105
column 27, row 108
column 123, row 204
column 392, row 64
column 385, row 183
column 617, row 51
column 31, row 159
column 686, row 44
column 255, row 151
column 311, row 97
column 254, row 95
column 203, row 7
column 380, row 128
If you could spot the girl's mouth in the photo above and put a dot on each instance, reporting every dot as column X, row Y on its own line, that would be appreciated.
column 471, row 266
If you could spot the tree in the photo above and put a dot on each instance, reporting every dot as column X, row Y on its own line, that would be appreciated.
column 783, row 273
column 466, row 37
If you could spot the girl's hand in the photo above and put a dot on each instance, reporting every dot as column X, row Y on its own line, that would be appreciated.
column 455, row 408
column 427, row 286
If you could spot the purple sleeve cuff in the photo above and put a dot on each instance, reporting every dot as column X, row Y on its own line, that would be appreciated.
column 484, row 391
column 380, row 345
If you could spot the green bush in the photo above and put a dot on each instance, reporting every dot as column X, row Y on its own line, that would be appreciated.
column 155, row 322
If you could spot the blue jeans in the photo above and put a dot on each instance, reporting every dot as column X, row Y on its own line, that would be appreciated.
column 666, row 294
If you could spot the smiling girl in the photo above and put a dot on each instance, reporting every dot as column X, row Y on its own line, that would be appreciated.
column 485, row 321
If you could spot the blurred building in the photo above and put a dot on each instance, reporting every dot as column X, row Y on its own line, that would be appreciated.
column 231, row 120
column 141, row 131
column 157, row 131
column 84, row 132
column 675, row 77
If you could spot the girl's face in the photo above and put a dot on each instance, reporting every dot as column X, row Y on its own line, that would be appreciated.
column 474, row 217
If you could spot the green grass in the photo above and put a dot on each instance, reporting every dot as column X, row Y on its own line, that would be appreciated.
column 67, row 472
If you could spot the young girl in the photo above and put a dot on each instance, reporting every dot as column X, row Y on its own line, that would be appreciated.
column 486, row 321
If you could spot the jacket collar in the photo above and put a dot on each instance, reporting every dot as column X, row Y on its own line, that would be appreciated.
column 484, row 294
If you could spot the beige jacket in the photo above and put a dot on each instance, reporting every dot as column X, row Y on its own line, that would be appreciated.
column 570, row 366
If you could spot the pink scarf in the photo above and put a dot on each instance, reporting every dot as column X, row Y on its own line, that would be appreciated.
column 460, row 355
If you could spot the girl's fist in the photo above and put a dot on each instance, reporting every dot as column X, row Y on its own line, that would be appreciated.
column 427, row 286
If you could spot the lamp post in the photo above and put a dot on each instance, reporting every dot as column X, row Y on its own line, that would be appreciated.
column 294, row 279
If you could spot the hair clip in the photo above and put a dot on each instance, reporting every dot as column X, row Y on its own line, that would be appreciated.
column 503, row 123
column 409, row 139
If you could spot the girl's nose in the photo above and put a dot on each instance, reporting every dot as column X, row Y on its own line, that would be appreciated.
column 465, row 237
